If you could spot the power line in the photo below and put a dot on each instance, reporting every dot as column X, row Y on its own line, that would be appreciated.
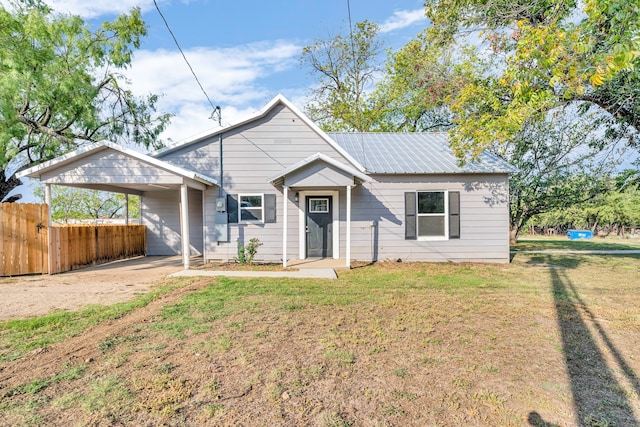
column 353, row 56
column 350, row 28
column 216, row 109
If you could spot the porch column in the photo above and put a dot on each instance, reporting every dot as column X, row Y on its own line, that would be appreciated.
column 348, row 251
column 184, row 211
column 284, row 227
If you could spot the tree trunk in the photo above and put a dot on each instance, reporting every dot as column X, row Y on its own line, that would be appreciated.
column 513, row 234
column 7, row 185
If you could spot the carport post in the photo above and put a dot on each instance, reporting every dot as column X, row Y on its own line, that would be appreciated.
column 47, row 200
column 184, row 204
column 348, row 249
column 126, row 209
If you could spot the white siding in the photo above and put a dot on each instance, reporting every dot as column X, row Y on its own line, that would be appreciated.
column 161, row 216
column 255, row 152
column 196, row 225
column 110, row 167
column 484, row 219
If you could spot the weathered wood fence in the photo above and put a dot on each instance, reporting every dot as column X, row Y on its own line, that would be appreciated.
column 25, row 241
column 74, row 246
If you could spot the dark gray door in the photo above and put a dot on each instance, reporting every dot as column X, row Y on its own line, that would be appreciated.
column 319, row 227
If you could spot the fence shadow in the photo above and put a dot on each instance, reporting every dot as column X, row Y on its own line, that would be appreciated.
column 598, row 397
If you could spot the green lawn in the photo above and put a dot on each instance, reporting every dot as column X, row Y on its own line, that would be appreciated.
column 562, row 243
column 547, row 340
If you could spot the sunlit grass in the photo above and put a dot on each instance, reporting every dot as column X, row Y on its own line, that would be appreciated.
column 563, row 243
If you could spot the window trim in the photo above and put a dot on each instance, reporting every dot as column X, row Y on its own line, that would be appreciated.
column 445, row 214
column 316, row 210
column 243, row 221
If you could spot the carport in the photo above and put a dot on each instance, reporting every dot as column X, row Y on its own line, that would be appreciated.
column 108, row 167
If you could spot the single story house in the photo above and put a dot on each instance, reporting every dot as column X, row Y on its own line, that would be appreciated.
column 304, row 193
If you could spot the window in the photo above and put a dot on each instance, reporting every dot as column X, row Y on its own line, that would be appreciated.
column 432, row 215
column 251, row 208
column 318, row 205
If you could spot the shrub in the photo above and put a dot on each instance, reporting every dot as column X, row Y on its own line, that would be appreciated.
column 247, row 253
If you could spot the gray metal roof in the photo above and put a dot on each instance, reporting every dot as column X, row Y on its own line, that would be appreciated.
column 412, row 153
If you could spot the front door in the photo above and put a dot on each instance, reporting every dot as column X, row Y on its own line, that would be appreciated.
column 319, row 227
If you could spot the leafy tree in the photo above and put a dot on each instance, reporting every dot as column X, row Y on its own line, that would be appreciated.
column 560, row 164
column 346, row 67
column 420, row 81
column 553, row 54
column 68, row 203
column 60, row 86
column 614, row 210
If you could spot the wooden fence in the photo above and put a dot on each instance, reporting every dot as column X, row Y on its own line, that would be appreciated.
column 23, row 239
column 75, row 246
column 24, row 242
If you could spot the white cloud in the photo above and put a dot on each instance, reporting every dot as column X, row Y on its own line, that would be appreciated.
column 402, row 19
column 92, row 9
column 192, row 119
column 229, row 76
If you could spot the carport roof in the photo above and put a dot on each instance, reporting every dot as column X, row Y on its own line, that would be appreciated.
column 81, row 153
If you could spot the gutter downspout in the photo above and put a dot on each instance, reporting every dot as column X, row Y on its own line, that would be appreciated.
column 220, row 184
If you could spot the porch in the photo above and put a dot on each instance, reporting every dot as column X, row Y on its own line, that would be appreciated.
column 317, row 182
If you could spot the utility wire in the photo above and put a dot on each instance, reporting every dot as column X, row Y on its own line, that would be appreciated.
column 216, row 109
column 350, row 28
column 357, row 106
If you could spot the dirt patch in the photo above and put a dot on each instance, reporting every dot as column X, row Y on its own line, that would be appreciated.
column 118, row 281
column 84, row 348
column 236, row 266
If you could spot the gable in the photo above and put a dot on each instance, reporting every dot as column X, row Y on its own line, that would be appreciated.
column 318, row 174
column 109, row 167
column 256, row 150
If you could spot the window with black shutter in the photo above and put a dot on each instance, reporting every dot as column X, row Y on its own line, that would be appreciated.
column 432, row 215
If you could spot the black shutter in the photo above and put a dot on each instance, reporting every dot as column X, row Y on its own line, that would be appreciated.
column 454, row 214
column 269, row 208
column 232, row 208
column 410, row 224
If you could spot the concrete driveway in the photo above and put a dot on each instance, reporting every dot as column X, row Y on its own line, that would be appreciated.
column 117, row 281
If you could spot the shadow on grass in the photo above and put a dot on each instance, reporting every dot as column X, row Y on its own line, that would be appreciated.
column 536, row 421
column 598, row 397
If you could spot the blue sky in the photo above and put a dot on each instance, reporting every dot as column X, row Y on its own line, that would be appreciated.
column 244, row 53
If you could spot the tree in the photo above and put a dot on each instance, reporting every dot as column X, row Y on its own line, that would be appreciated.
column 61, row 87
column 553, row 54
column 68, row 203
column 560, row 164
column 419, row 82
column 614, row 210
column 346, row 67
